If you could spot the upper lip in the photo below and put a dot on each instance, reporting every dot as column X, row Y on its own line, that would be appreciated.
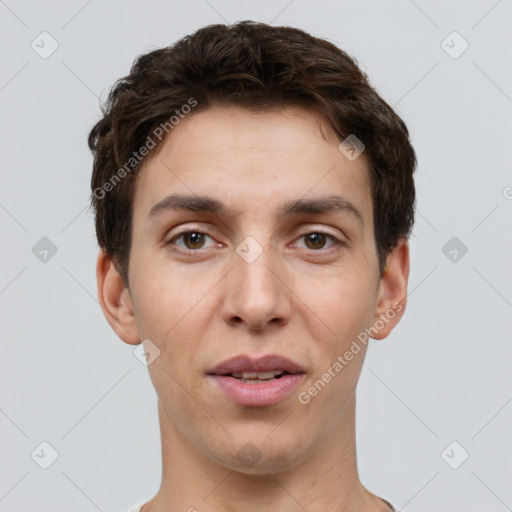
column 244, row 363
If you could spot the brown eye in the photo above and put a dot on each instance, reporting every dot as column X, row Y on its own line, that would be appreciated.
column 315, row 240
column 320, row 242
column 193, row 240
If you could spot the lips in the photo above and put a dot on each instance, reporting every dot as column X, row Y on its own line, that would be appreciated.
column 257, row 382
column 239, row 365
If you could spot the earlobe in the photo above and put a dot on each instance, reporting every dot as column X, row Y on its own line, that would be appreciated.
column 392, row 294
column 115, row 300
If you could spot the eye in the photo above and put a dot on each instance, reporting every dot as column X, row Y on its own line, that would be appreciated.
column 192, row 240
column 316, row 240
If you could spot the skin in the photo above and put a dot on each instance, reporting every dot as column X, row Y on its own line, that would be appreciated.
column 306, row 301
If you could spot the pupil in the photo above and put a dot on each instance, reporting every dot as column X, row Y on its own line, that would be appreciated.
column 316, row 238
column 195, row 238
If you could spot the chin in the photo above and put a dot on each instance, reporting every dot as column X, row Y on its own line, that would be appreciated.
column 259, row 455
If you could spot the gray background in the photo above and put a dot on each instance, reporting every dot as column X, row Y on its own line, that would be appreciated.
column 442, row 376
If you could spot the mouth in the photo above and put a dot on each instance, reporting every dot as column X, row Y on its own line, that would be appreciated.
column 255, row 377
column 262, row 368
column 257, row 382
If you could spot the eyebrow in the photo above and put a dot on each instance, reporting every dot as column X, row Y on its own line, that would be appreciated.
column 317, row 205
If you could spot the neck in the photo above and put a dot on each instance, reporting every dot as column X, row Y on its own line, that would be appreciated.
column 326, row 480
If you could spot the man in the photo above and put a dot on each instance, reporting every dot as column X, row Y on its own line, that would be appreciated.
column 254, row 197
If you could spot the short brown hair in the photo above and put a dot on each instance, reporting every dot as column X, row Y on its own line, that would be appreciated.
column 257, row 66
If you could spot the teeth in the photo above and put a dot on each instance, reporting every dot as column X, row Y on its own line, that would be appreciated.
column 256, row 375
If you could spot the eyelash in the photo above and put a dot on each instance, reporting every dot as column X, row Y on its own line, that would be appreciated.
column 337, row 243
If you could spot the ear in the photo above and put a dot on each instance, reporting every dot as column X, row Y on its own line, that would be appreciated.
column 392, row 294
column 115, row 300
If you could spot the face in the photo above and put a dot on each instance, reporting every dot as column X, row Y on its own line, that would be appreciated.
column 255, row 273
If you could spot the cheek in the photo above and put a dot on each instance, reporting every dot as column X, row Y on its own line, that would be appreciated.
column 345, row 306
column 169, row 301
column 342, row 304
column 173, row 311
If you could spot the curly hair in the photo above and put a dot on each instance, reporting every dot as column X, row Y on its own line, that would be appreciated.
column 255, row 66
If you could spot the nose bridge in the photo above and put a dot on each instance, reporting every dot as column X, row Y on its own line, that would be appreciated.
column 256, row 294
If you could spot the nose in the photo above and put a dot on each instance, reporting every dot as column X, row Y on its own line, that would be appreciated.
column 257, row 293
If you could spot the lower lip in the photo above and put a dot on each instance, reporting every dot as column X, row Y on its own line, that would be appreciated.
column 258, row 394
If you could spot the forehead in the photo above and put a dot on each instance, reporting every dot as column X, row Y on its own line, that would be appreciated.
column 252, row 161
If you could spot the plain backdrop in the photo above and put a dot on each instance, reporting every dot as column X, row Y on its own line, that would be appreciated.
column 434, row 417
